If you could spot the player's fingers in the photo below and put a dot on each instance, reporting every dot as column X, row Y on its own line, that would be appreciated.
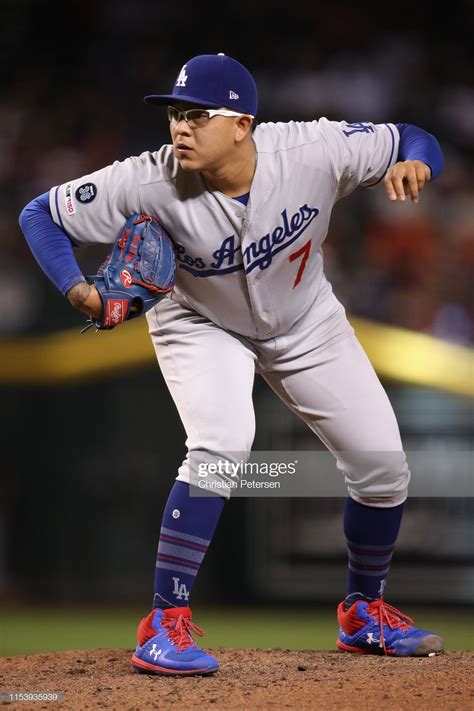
column 389, row 189
column 406, row 178
column 411, row 186
column 393, row 187
column 398, row 186
column 423, row 175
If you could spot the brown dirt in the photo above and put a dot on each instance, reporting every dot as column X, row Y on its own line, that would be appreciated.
column 248, row 679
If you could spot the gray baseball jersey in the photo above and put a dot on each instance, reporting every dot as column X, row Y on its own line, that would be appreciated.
column 251, row 294
column 255, row 269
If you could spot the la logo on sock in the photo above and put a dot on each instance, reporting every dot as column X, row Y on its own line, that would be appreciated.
column 180, row 590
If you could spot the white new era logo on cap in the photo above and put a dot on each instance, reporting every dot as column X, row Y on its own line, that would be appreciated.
column 233, row 95
column 182, row 78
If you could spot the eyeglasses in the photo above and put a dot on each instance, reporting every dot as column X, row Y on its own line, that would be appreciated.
column 199, row 117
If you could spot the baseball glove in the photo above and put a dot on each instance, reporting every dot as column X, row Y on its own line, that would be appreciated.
column 137, row 273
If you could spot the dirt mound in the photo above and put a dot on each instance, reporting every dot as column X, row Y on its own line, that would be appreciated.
column 248, row 679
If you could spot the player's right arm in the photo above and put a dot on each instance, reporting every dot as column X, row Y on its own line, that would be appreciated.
column 85, row 211
column 419, row 161
column 406, row 157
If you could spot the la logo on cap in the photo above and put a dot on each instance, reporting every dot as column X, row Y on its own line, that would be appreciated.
column 182, row 78
column 212, row 80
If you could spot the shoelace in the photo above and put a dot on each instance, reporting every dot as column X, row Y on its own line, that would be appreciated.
column 386, row 614
column 180, row 632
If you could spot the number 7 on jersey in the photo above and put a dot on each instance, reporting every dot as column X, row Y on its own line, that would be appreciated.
column 301, row 252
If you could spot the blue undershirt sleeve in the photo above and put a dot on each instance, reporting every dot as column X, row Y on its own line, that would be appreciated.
column 51, row 246
column 418, row 144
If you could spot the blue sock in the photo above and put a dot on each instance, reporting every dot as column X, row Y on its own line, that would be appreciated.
column 371, row 534
column 187, row 528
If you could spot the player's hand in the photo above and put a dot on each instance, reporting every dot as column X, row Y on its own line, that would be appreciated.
column 85, row 298
column 408, row 177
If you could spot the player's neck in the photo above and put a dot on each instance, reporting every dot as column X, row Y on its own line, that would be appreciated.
column 235, row 176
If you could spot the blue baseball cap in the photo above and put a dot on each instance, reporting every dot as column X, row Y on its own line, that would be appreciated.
column 213, row 80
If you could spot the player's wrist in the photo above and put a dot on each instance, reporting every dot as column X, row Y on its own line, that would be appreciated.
column 78, row 294
column 92, row 305
column 85, row 298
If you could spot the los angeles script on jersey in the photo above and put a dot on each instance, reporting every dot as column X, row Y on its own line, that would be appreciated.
column 229, row 257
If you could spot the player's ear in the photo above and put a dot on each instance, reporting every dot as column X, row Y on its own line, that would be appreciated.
column 243, row 127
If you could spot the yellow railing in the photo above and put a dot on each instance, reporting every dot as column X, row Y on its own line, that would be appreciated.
column 396, row 354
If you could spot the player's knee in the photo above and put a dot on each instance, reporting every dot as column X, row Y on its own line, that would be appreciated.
column 377, row 478
column 225, row 438
column 216, row 463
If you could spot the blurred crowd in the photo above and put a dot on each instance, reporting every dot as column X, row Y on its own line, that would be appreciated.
column 71, row 103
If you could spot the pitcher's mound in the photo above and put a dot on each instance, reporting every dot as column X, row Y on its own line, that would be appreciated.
column 248, row 679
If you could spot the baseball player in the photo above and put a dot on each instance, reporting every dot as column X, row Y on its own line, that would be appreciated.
column 248, row 208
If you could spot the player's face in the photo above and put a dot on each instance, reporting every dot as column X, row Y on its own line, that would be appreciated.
column 205, row 145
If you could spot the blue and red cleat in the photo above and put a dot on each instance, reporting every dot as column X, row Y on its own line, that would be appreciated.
column 166, row 645
column 371, row 626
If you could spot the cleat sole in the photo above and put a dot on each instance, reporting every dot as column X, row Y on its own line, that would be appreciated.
column 146, row 668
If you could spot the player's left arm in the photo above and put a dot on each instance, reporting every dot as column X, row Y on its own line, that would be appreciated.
column 419, row 161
